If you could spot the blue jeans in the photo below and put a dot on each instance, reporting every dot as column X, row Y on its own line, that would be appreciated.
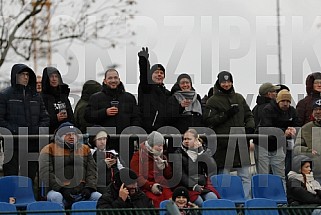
column 244, row 173
column 54, row 196
column 202, row 197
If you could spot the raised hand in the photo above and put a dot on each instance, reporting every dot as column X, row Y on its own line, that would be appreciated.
column 144, row 53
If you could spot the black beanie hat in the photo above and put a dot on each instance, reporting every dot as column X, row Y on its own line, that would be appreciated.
column 126, row 176
column 316, row 104
column 224, row 76
column 184, row 75
column 180, row 191
column 157, row 66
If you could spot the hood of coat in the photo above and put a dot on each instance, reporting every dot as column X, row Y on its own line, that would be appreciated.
column 90, row 87
column 46, row 88
column 298, row 161
column 309, row 82
column 18, row 68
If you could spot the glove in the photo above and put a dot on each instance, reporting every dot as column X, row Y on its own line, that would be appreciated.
column 143, row 53
column 197, row 188
column 232, row 111
column 318, row 193
column 156, row 189
column 67, row 194
column 86, row 193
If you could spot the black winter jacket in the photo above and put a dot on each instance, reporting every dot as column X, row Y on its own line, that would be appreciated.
column 56, row 99
column 152, row 99
column 128, row 112
column 22, row 106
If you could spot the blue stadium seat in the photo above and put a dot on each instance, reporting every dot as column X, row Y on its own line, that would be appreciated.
column 45, row 206
column 162, row 205
column 268, row 186
column 82, row 206
column 6, row 207
column 260, row 203
column 229, row 187
column 18, row 187
column 226, row 207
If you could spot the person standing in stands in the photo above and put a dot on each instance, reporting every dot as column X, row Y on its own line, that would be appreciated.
column 278, row 114
column 184, row 108
column 55, row 96
column 267, row 92
column 152, row 94
column 116, row 108
column 225, row 110
column 313, row 89
column 21, row 107
column 152, row 168
column 68, row 168
column 308, row 140
column 90, row 87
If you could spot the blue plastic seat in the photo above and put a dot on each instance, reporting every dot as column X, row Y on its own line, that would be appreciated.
column 45, row 206
column 82, row 206
column 162, row 205
column 269, row 187
column 227, row 207
column 229, row 187
column 260, row 203
column 18, row 187
column 6, row 207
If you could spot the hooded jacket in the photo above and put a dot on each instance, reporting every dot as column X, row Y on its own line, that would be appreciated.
column 261, row 102
column 304, row 106
column 305, row 142
column 55, row 99
column 90, row 87
column 22, row 106
column 297, row 192
column 63, row 166
column 216, row 118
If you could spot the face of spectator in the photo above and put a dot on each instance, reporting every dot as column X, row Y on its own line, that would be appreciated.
column 185, row 84
column 317, row 113
column 226, row 85
column 132, row 188
column 101, row 143
column 272, row 94
column 181, row 201
column 39, row 88
column 70, row 137
column 317, row 85
column 284, row 105
column 54, row 79
column 158, row 147
column 306, row 168
column 158, row 76
column 23, row 78
column 112, row 79
column 189, row 140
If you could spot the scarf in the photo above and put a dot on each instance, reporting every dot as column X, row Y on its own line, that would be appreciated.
column 195, row 106
column 160, row 163
column 310, row 184
column 193, row 153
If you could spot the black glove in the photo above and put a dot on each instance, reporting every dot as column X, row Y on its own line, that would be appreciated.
column 318, row 193
column 67, row 194
column 143, row 53
column 249, row 130
column 86, row 193
column 232, row 111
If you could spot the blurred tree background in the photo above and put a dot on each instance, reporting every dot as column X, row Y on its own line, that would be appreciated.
column 30, row 30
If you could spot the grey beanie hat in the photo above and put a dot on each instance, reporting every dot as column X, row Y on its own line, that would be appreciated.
column 298, row 161
column 155, row 138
